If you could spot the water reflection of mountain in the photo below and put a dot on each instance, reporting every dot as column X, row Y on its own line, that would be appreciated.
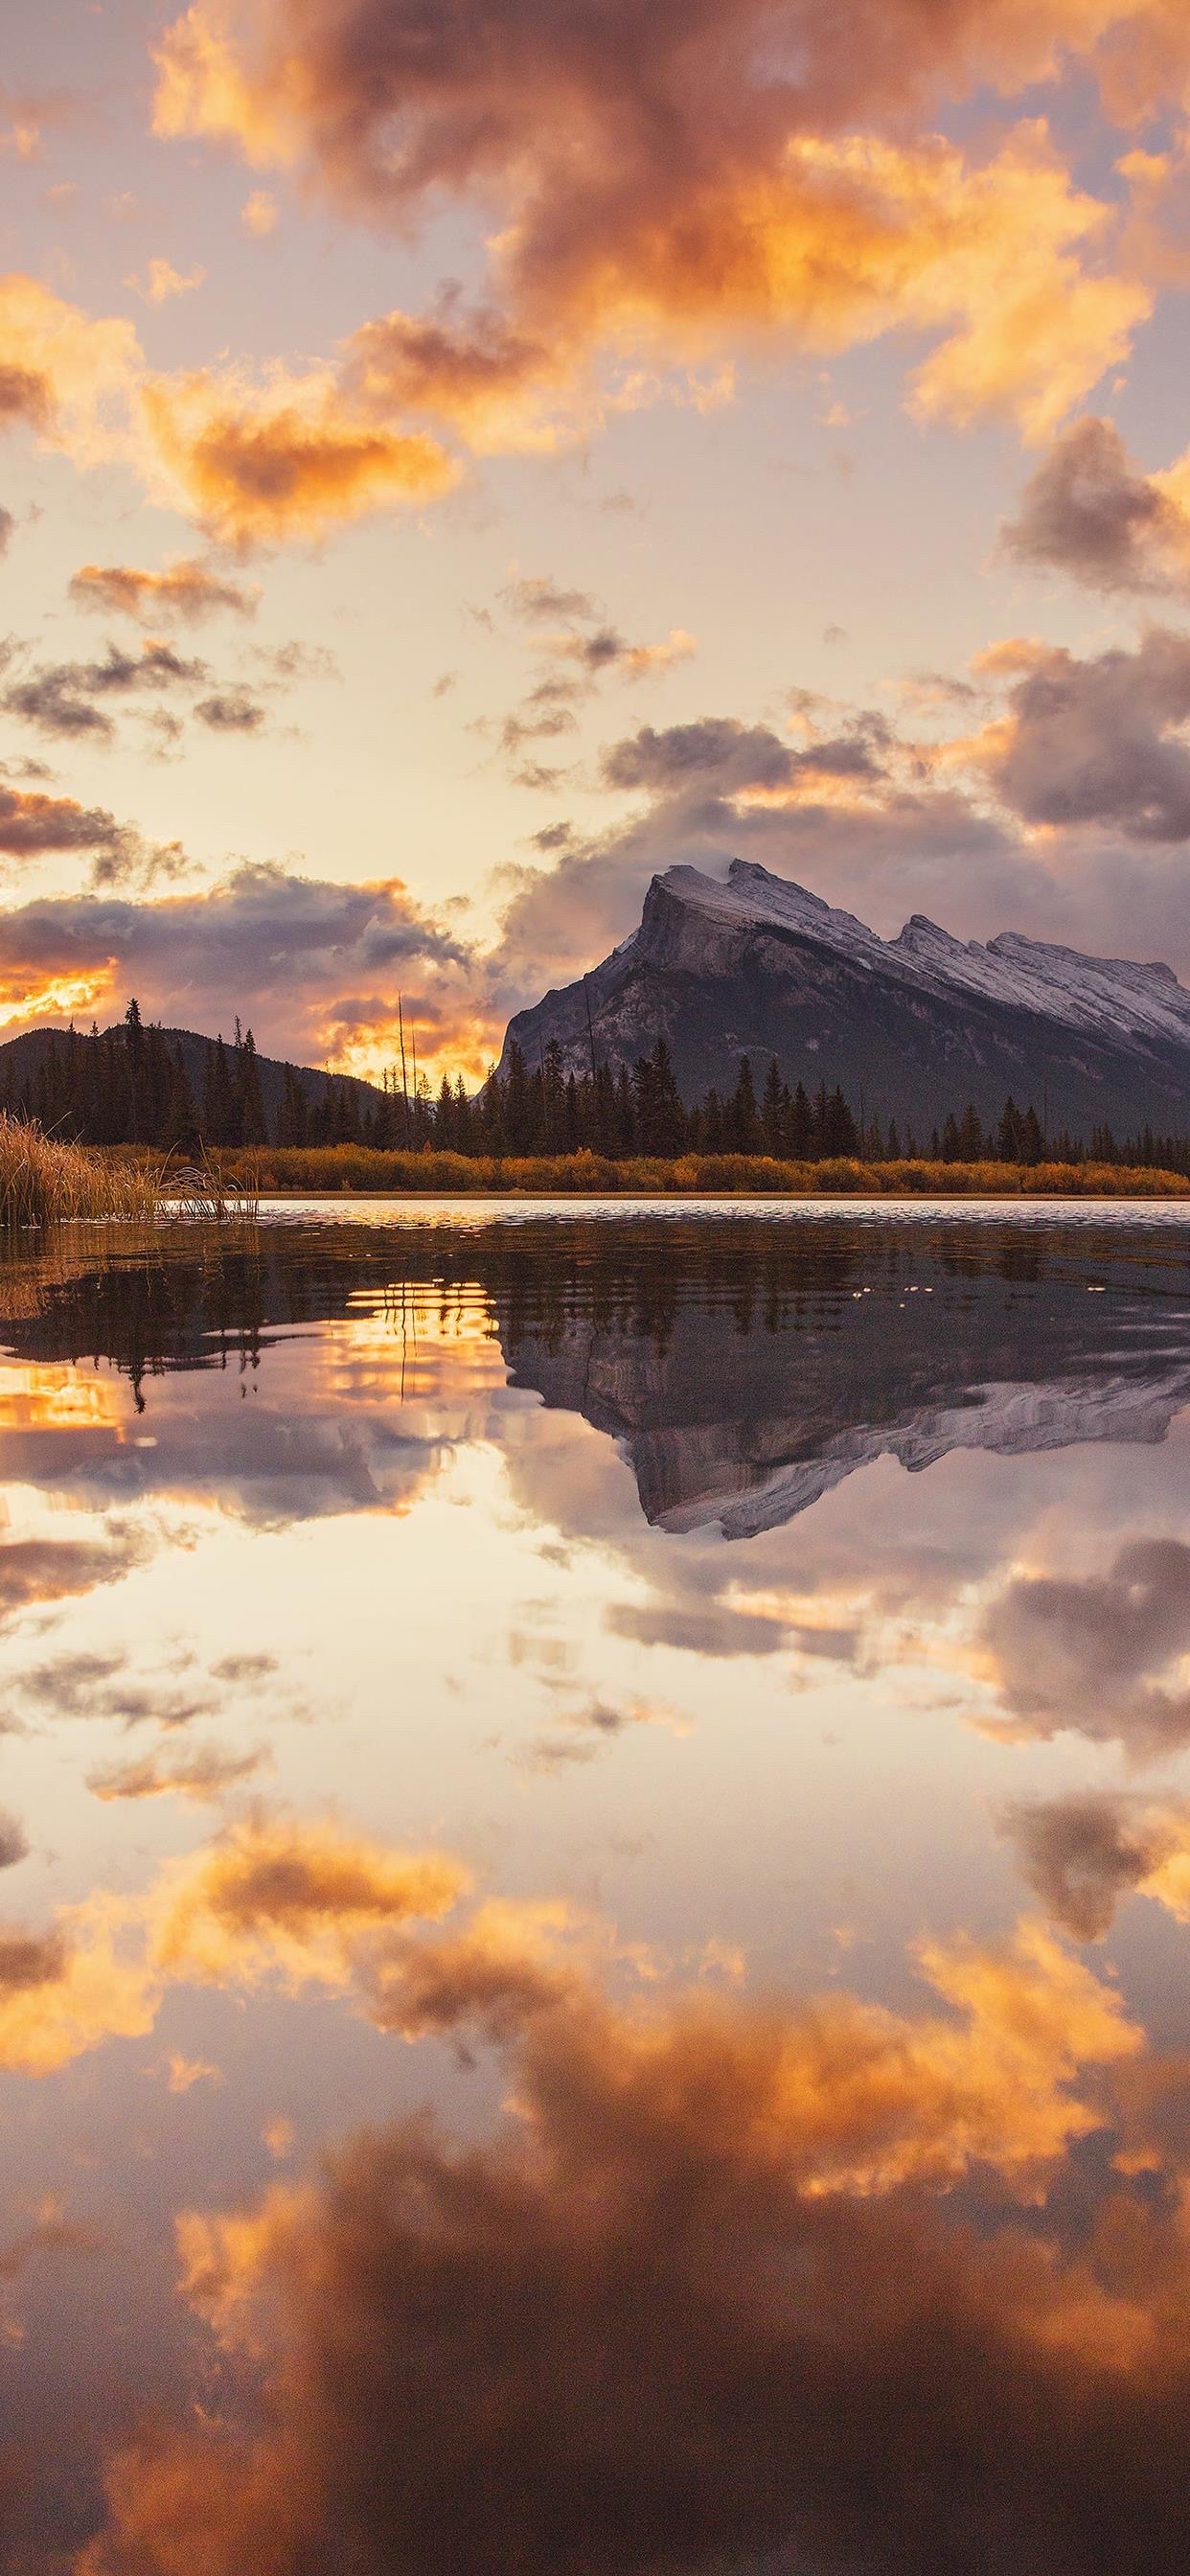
column 745, row 1366
column 746, row 1414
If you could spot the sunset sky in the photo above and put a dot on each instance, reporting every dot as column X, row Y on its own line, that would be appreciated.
column 461, row 458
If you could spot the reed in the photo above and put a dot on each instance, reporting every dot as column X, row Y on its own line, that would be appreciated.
column 45, row 1181
column 208, row 1192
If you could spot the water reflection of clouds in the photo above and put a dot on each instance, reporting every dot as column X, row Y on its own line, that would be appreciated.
column 692, row 1868
column 741, row 2208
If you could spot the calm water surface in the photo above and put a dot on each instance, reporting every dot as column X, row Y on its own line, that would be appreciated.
column 595, row 1895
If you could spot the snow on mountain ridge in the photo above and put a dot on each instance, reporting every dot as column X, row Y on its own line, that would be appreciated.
column 1116, row 996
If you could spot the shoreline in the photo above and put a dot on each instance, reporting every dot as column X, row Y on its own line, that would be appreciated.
column 630, row 1199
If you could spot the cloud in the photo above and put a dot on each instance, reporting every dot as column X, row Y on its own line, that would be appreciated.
column 67, row 377
column 34, row 825
column 1096, row 741
column 572, row 666
column 102, row 1686
column 1081, row 1854
column 1099, row 1654
column 605, row 651
column 1089, row 512
column 185, row 2072
column 669, row 199
column 231, row 711
column 68, row 699
column 7, row 524
column 204, row 1772
column 279, row 1897
column 538, row 600
column 257, row 466
column 187, row 591
column 741, row 2208
column 495, row 385
column 716, row 750
column 271, row 1899
column 50, row 2232
column 162, row 281
column 66, row 1991
column 259, row 214
column 31, row 112
column 29, row 1960
column 14, row 1841
column 36, row 1570
column 287, row 953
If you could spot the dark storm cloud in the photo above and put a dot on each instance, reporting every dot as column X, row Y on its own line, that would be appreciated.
column 1088, row 511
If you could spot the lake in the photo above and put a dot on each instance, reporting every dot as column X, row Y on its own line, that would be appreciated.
column 596, row 1869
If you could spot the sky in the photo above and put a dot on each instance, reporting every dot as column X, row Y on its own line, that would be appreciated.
column 457, row 462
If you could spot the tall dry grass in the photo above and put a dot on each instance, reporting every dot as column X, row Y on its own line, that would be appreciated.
column 44, row 1181
column 330, row 1170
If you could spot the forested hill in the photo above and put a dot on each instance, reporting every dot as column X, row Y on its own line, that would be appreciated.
column 141, row 1084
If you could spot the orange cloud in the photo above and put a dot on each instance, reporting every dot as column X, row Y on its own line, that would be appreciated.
column 859, row 2100
column 33, row 824
column 259, row 215
column 279, row 1897
column 742, row 2211
column 257, row 468
column 662, row 198
column 162, row 280
column 206, row 1771
column 66, row 1993
column 299, row 957
column 66, row 376
column 186, row 589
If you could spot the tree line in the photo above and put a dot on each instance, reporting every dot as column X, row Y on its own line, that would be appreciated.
column 129, row 1085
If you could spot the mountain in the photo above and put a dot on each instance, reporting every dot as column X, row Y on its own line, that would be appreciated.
column 22, row 1057
column 918, row 1025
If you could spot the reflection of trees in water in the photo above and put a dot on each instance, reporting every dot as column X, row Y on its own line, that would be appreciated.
column 193, row 1300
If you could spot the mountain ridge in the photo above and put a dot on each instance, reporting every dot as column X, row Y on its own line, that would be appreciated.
column 919, row 1025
